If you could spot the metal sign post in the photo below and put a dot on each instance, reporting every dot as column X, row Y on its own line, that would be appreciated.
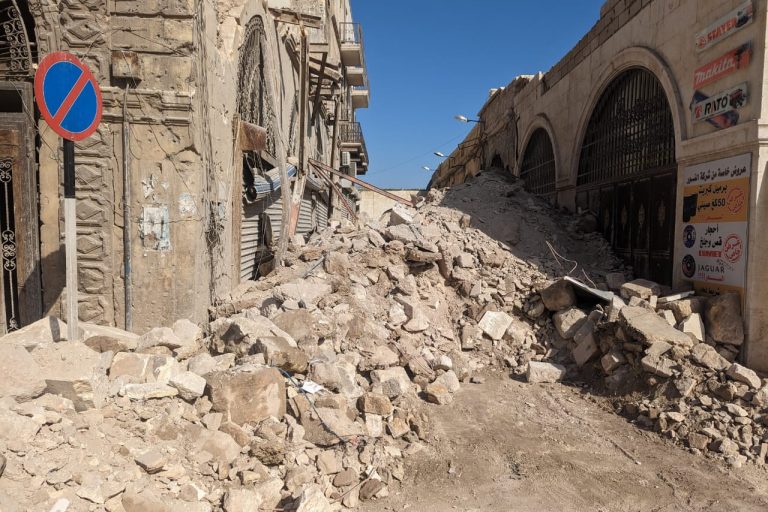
column 69, row 99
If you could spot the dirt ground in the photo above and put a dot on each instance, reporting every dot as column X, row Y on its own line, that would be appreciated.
column 510, row 446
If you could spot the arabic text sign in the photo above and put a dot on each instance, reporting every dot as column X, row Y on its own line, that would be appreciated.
column 725, row 26
column 715, row 222
column 738, row 58
column 720, row 103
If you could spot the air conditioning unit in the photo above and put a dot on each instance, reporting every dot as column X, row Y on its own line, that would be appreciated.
column 345, row 158
column 353, row 168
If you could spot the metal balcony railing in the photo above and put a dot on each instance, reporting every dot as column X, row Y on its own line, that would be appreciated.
column 352, row 133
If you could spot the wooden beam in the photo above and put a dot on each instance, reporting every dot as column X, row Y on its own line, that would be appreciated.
column 335, row 189
column 316, row 103
column 358, row 181
column 297, row 18
column 251, row 137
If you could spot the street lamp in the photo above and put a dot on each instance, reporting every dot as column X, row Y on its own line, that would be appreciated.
column 439, row 154
column 465, row 119
column 428, row 169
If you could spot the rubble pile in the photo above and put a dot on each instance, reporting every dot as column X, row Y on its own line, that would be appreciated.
column 679, row 351
column 308, row 388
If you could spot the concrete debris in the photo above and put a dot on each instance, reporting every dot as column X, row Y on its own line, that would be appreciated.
column 299, row 387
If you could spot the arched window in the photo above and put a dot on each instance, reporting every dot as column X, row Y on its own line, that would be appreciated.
column 538, row 167
column 16, row 50
column 630, row 131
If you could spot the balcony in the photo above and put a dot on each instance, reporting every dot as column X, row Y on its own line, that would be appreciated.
column 351, row 36
column 356, row 76
column 352, row 141
column 360, row 96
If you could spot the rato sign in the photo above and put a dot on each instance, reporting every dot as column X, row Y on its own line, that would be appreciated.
column 720, row 103
column 725, row 26
column 731, row 62
column 715, row 224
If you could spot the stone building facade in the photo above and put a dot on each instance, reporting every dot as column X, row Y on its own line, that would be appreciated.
column 654, row 122
column 177, row 78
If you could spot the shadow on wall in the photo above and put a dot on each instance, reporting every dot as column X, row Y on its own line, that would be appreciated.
column 523, row 224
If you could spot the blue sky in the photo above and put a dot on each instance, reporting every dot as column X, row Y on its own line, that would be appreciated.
column 429, row 60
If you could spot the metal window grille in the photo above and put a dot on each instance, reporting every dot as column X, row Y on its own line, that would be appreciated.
column 16, row 48
column 630, row 132
column 538, row 167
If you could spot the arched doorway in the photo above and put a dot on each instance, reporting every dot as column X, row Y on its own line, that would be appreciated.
column 537, row 169
column 627, row 172
column 21, row 296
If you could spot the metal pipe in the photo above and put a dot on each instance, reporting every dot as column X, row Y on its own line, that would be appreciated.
column 127, row 287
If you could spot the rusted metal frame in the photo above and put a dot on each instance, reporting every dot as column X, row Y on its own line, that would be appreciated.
column 358, row 181
column 335, row 188
column 296, row 18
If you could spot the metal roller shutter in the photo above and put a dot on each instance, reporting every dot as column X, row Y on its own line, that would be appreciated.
column 251, row 248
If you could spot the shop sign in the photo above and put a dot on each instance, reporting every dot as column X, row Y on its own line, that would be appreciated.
column 715, row 224
column 731, row 62
column 725, row 26
column 720, row 103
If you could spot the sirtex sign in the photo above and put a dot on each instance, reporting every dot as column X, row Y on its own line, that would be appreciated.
column 725, row 26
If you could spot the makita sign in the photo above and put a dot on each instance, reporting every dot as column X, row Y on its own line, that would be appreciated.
column 720, row 103
column 725, row 26
column 732, row 61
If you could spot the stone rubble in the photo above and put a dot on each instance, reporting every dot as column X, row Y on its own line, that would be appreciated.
column 308, row 387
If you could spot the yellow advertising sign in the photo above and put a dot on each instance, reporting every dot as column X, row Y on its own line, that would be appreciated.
column 723, row 201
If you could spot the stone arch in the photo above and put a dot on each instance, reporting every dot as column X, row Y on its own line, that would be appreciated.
column 633, row 57
column 538, row 164
column 540, row 121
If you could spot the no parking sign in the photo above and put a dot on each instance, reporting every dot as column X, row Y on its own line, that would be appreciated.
column 69, row 99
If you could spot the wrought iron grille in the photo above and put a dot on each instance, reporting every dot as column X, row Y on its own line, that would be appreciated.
column 254, row 101
column 15, row 47
column 630, row 132
column 538, row 167
column 8, row 245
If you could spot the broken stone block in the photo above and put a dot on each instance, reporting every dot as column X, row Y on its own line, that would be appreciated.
column 722, row 316
column 464, row 260
column 159, row 337
column 539, row 372
column 658, row 349
column 585, row 350
column 130, row 364
column 151, row 461
column 684, row 308
column 248, row 396
column 669, row 316
column 374, row 424
column 238, row 335
column 190, row 335
column 148, row 391
column 21, row 376
column 303, row 292
column 611, row 361
column 375, row 403
column 370, row 489
column 661, row 366
column 494, row 324
column 279, row 352
column 328, row 463
column 338, row 376
column 190, row 385
column 43, row 332
column 15, row 427
column 708, row 356
column 438, row 393
column 393, row 381
column 400, row 214
column 397, row 427
column 299, row 324
column 760, row 398
column 335, row 424
column 218, row 444
column 694, row 325
column 569, row 322
column 640, row 288
column 264, row 496
column 337, row 263
column 648, row 327
column 346, row 478
column 745, row 375
column 74, row 371
column 312, row 499
column 558, row 296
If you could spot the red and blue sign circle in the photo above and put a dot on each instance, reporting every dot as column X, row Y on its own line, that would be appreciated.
column 68, row 96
